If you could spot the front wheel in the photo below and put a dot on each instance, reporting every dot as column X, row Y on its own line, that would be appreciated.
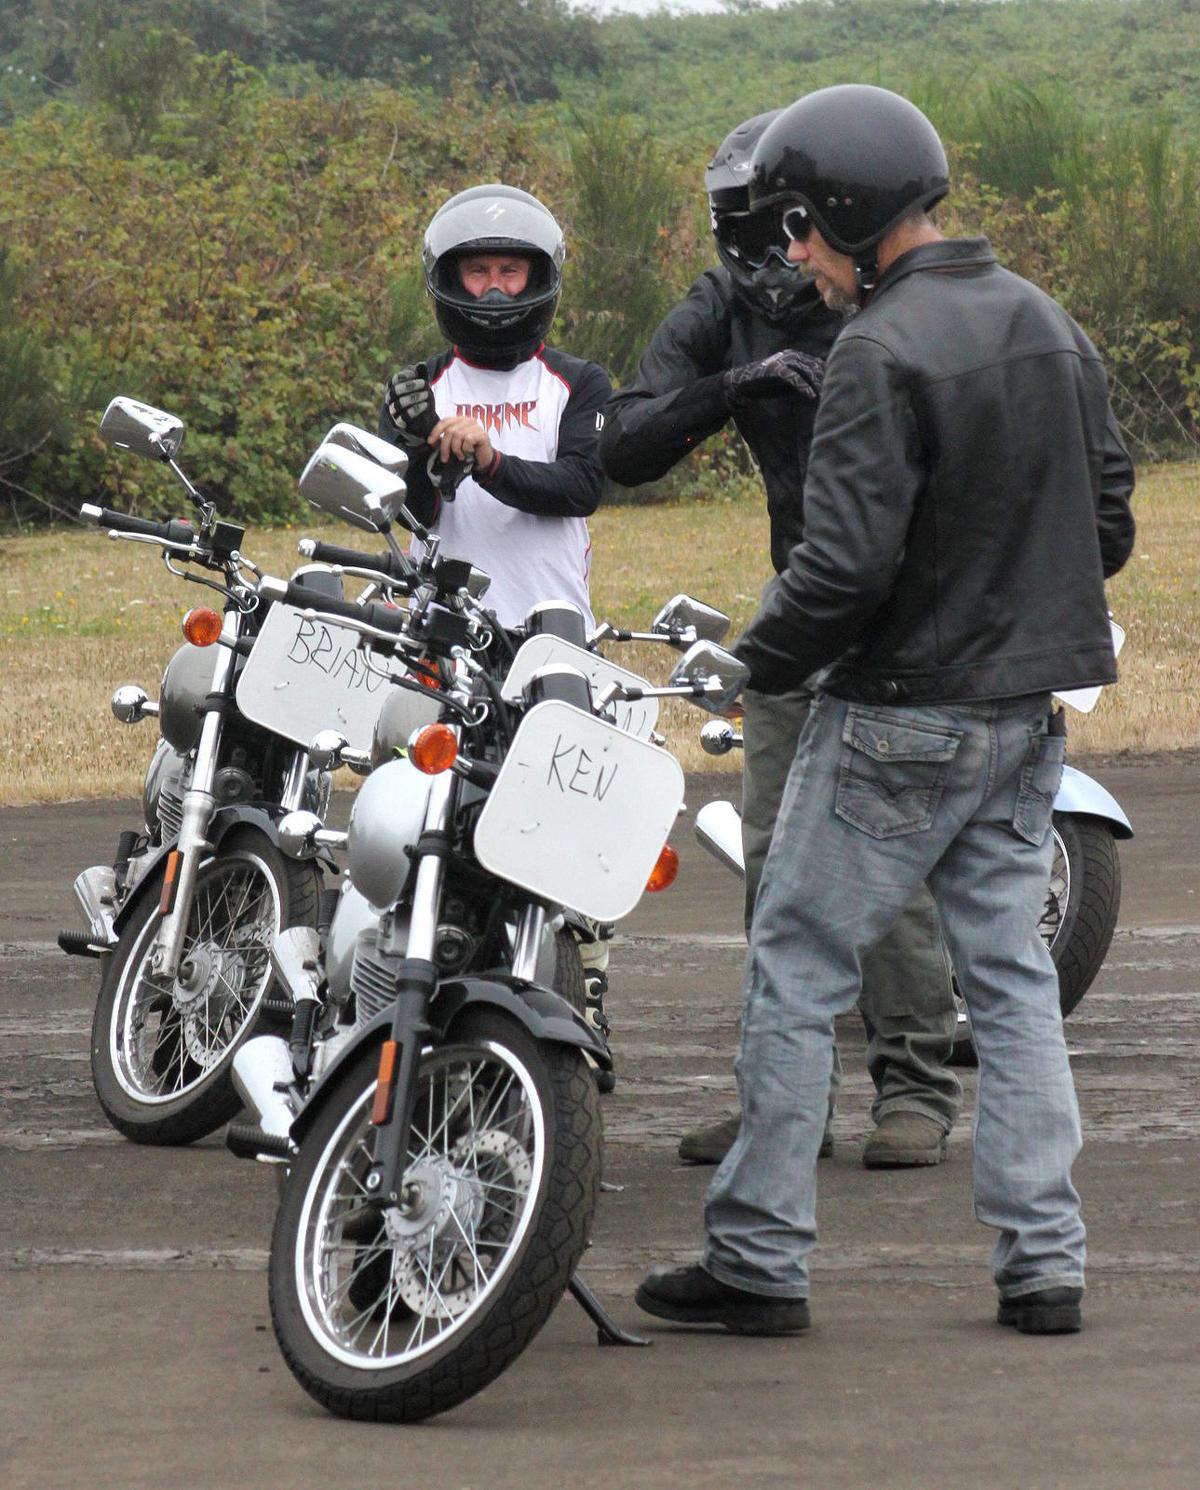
column 162, row 1053
column 395, row 1313
column 1083, row 902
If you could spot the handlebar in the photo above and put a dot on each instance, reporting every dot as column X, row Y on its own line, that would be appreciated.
column 330, row 553
column 381, row 617
column 174, row 531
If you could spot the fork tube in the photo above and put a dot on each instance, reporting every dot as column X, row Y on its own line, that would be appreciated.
column 293, row 786
column 198, row 803
column 530, row 925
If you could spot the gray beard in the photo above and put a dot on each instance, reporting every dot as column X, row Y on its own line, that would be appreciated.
column 842, row 304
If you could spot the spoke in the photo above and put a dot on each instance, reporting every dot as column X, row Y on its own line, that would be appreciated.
column 480, row 1279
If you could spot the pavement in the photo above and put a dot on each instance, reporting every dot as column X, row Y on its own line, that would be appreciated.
column 135, row 1343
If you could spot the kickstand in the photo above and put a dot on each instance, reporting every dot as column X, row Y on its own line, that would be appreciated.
column 608, row 1331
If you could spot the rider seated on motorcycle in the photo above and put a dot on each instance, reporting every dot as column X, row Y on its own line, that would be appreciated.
column 502, row 430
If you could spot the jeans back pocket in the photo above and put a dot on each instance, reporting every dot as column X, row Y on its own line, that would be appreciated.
column 892, row 773
column 1041, row 777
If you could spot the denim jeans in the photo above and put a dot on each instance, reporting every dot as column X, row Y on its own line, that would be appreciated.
column 879, row 800
column 907, row 1000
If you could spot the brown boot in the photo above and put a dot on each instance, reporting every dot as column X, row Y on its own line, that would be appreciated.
column 904, row 1140
column 710, row 1145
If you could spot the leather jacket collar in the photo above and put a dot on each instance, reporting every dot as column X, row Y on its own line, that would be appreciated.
column 947, row 253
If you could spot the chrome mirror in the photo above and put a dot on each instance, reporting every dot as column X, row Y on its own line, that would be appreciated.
column 145, row 430
column 351, row 487
column 686, row 620
column 722, row 675
column 478, row 583
column 374, row 447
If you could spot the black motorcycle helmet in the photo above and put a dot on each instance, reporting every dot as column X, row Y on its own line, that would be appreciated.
column 857, row 159
column 750, row 244
column 494, row 219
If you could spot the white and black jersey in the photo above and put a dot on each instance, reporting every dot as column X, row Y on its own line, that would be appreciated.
column 525, row 521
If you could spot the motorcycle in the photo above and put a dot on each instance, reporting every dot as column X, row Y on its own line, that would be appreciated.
column 182, row 920
column 1083, row 899
column 433, row 1107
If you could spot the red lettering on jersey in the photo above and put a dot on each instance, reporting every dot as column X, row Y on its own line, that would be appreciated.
column 499, row 416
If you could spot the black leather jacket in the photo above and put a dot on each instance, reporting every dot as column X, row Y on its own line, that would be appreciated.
column 676, row 399
column 967, row 494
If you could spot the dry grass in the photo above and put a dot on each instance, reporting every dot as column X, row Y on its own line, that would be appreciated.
column 80, row 615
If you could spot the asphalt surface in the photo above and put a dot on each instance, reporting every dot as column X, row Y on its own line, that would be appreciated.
column 135, row 1343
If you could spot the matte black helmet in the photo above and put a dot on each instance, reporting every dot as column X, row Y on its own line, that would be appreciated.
column 494, row 219
column 857, row 159
column 751, row 245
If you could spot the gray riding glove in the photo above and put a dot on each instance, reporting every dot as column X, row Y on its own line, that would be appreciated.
column 409, row 402
column 775, row 377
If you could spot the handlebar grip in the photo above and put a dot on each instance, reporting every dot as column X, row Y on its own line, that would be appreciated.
column 382, row 617
column 331, row 553
column 175, row 531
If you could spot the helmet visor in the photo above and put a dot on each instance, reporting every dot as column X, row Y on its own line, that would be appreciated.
column 796, row 224
column 750, row 237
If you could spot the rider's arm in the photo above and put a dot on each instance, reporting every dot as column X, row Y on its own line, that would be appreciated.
column 422, row 499
column 677, row 397
column 571, row 484
column 1114, row 518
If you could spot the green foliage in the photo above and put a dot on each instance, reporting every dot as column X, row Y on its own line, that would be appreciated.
column 30, row 417
column 636, row 249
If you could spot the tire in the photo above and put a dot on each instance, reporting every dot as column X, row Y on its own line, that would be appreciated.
column 1080, row 916
column 162, row 1068
column 568, row 971
column 352, row 1303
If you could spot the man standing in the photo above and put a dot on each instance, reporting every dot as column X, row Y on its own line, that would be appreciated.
column 967, row 494
column 748, row 343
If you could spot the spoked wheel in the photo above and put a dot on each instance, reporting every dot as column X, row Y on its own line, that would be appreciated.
column 1080, row 915
column 162, row 1050
column 399, row 1312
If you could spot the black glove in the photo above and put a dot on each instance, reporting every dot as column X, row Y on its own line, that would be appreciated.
column 446, row 476
column 774, row 377
column 408, row 399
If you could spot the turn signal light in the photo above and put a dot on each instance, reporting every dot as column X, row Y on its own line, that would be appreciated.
column 662, row 876
column 202, row 626
column 433, row 749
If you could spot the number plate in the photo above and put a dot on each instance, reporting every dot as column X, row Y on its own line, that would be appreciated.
column 579, row 812
column 304, row 676
column 636, row 718
column 1083, row 700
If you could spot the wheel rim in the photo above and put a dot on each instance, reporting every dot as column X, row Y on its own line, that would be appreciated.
column 1054, row 913
column 380, row 1288
column 165, row 1041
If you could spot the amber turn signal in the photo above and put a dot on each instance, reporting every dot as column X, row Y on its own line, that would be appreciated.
column 433, row 749
column 202, row 626
column 662, row 876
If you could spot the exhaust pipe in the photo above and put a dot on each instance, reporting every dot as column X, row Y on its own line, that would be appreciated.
column 96, row 891
column 262, row 1073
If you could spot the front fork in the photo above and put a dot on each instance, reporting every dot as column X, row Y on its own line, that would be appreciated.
column 199, row 802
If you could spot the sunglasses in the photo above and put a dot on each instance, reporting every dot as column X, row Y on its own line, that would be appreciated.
column 751, row 237
column 796, row 224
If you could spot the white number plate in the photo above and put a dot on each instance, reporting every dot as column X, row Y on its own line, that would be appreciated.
column 1084, row 699
column 637, row 717
column 579, row 812
column 304, row 676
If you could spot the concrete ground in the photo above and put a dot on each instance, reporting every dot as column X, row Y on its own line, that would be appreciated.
column 135, row 1344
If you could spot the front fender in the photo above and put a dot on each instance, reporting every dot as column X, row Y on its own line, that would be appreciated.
column 223, row 821
column 545, row 1014
column 1080, row 796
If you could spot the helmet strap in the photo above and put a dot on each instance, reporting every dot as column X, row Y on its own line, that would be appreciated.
column 866, row 272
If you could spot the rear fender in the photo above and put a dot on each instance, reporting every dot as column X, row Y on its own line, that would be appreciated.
column 542, row 1012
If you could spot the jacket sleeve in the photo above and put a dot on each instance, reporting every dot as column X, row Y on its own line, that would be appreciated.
column 864, row 474
column 570, row 485
column 1114, row 517
column 677, row 397
column 422, row 499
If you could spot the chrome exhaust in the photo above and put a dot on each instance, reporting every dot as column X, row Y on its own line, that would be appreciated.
column 719, row 829
column 262, row 1073
column 96, row 891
